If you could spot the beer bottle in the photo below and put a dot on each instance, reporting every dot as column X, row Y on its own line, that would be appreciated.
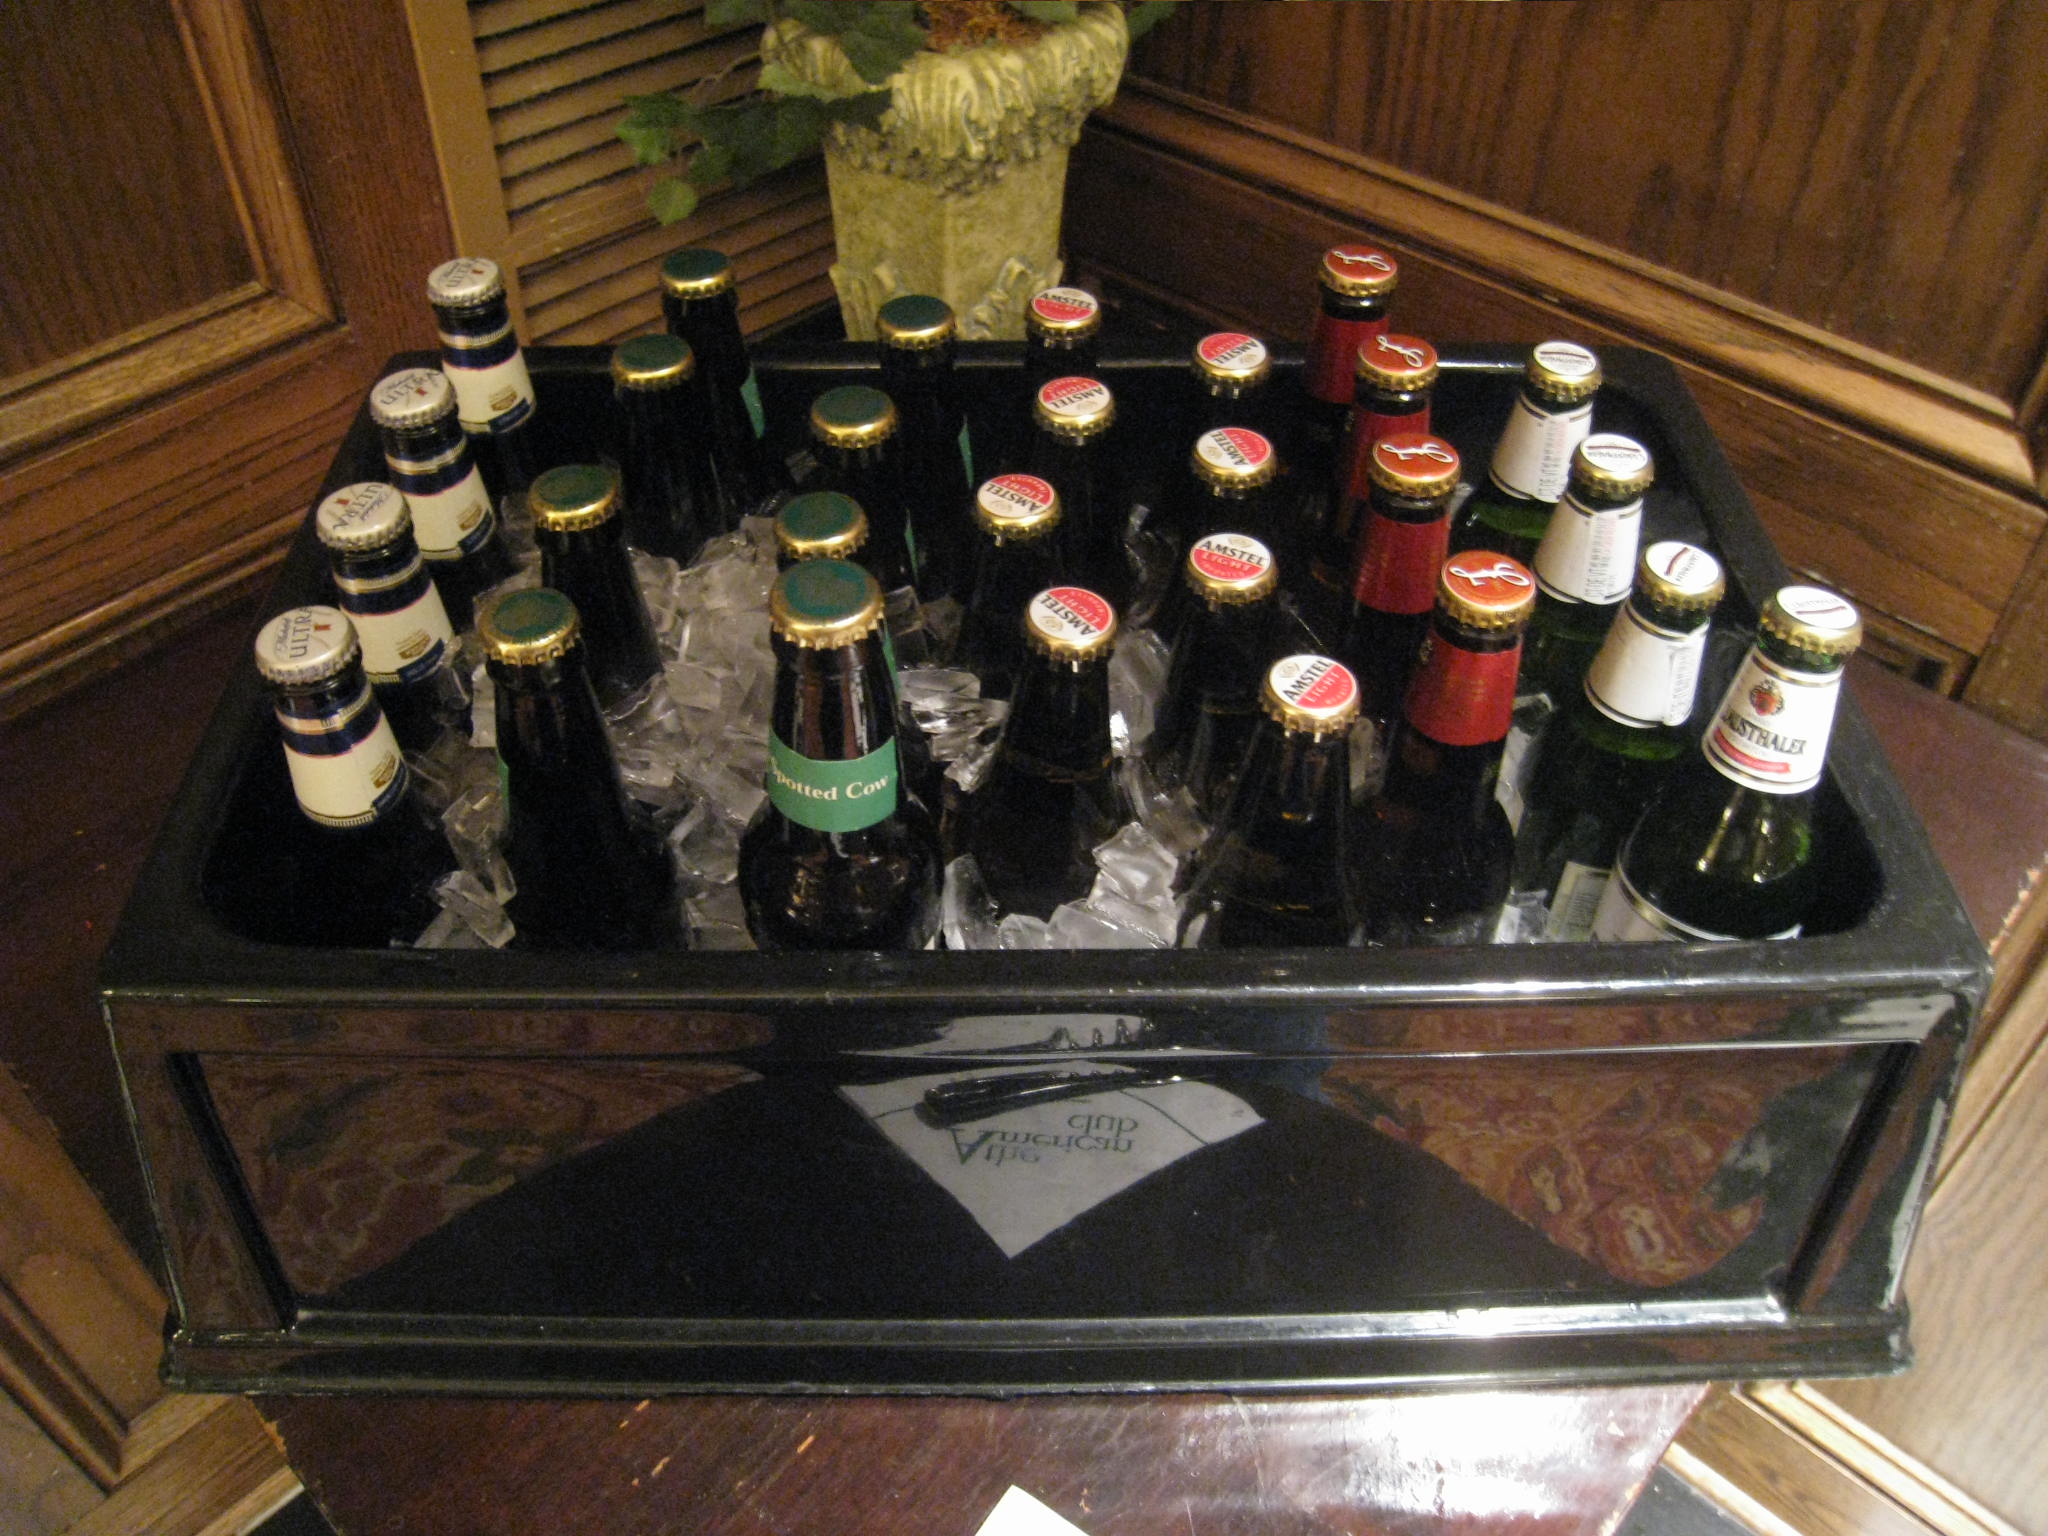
column 1552, row 413
column 665, row 473
column 1356, row 284
column 453, row 518
column 1052, row 794
column 408, row 645
column 1398, row 568
column 855, row 431
column 1728, row 848
column 1017, row 518
column 583, row 556
column 1062, row 334
column 819, row 525
column 1615, row 739
column 701, row 306
column 1230, row 371
column 480, row 354
column 839, row 857
column 1585, row 562
column 1073, row 416
column 1277, row 872
column 918, row 346
column 1210, row 704
column 590, row 870
column 1396, row 378
column 1436, row 844
column 360, row 866
column 1230, row 469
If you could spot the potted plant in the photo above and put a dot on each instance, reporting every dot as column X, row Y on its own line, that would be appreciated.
column 945, row 127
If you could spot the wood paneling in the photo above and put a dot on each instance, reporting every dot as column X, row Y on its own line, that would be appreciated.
column 41, row 1490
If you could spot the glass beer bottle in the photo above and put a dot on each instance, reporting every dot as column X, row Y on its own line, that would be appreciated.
column 583, row 555
column 1017, row 519
column 1073, row 416
column 480, row 354
column 1396, row 380
column 701, row 306
column 453, row 518
column 1552, row 413
column 665, row 472
column 1210, row 704
column 1230, row 371
column 819, row 525
column 918, row 345
column 1585, row 563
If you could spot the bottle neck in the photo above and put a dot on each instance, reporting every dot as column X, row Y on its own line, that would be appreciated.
column 1343, row 324
column 1532, row 461
column 1772, row 728
column 1291, row 779
column 1224, row 646
column 1059, row 719
column 1588, row 553
column 1401, row 549
column 1647, row 672
column 833, row 760
column 548, row 722
column 1463, row 693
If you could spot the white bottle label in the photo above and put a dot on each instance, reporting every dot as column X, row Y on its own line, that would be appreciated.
column 1644, row 675
column 1534, row 457
column 1771, row 731
column 1588, row 555
column 351, row 787
column 1577, row 898
column 1625, row 917
column 407, row 644
column 491, row 398
column 454, row 522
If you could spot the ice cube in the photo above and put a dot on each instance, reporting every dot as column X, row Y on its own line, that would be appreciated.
column 967, row 911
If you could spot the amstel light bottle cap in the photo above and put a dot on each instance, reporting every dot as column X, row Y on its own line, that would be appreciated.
column 1016, row 507
column 303, row 646
column 572, row 497
column 1562, row 371
column 1074, row 408
column 821, row 525
column 465, row 283
column 653, row 362
column 1063, row 315
column 1680, row 577
column 412, row 398
column 1413, row 464
column 1232, row 358
column 1397, row 363
column 915, row 322
column 853, row 416
column 1234, row 459
column 529, row 627
column 1814, row 620
column 1231, row 568
column 1070, row 624
column 1612, row 467
column 1481, row 589
column 824, row 605
column 369, row 515
column 1311, row 693
column 1358, row 271
column 696, row 273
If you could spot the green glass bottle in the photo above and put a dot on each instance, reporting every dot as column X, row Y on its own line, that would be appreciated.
column 1585, row 563
column 839, row 856
column 583, row 554
column 1615, row 740
column 1728, row 848
column 918, row 341
column 1552, row 413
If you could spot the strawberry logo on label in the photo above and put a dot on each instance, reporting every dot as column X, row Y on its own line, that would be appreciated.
column 1231, row 558
column 1015, row 497
column 1418, row 355
column 1071, row 613
column 1358, row 261
column 1234, row 448
column 1315, row 685
column 1074, row 396
column 1232, row 350
column 1766, row 698
column 1064, row 306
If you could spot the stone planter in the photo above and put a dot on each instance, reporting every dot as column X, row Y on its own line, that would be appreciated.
column 958, row 193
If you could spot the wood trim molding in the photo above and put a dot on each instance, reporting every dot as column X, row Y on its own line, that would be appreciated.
column 221, row 1477
column 1736, row 337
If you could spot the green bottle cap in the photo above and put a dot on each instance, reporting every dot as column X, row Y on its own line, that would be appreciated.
column 820, row 525
column 824, row 605
column 572, row 497
column 696, row 273
column 528, row 627
column 853, row 416
column 652, row 362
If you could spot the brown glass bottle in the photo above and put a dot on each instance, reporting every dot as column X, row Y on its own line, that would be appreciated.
column 1435, row 845
column 854, row 430
column 1073, row 416
column 840, row 856
column 1230, row 373
column 1396, row 377
column 1210, row 705
column 665, row 472
column 1052, row 794
column 917, row 334
column 700, row 304
column 1355, row 285
column 1229, row 471
column 583, row 555
column 1017, row 521
column 1277, row 871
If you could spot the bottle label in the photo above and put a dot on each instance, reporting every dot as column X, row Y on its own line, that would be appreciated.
column 1368, row 430
column 1588, row 555
column 1331, row 372
column 1234, row 449
column 346, row 769
column 750, row 392
column 403, row 625
column 493, row 391
column 449, row 520
column 1644, row 675
column 1771, row 731
column 1463, row 698
column 1625, row 916
column 1398, row 563
column 1015, row 498
column 832, row 795
column 1534, row 458
column 1231, row 560
column 1575, row 901
column 1232, row 352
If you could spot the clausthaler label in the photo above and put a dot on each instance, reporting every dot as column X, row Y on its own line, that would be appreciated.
column 1771, row 731
column 832, row 795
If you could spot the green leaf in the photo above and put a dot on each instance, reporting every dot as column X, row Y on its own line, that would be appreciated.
column 1146, row 15
column 864, row 110
column 878, row 37
column 671, row 200
column 795, row 131
column 653, row 125
column 734, row 13
column 778, row 79
column 1051, row 12
column 710, row 165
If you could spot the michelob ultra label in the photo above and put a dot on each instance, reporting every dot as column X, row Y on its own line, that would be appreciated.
column 1771, row 731
column 451, row 510
column 403, row 626
column 833, row 794
column 346, row 768
column 493, row 391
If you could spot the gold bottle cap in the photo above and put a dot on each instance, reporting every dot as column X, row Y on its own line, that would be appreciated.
column 1063, row 315
column 1813, row 619
column 464, row 283
column 853, row 416
column 303, row 646
column 696, row 273
column 824, row 605
column 1413, row 464
column 1562, row 371
column 1234, row 459
column 1398, row 363
column 1230, row 569
column 1484, row 590
column 572, row 497
column 366, row 516
column 1233, row 358
column 1681, row 577
column 1075, row 409
column 1612, row 467
column 915, row 322
column 653, row 362
column 820, row 525
column 1017, row 507
column 412, row 398
column 1070, row 624
column 529, row 627
column 1310, row 693
column 1358, row 271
